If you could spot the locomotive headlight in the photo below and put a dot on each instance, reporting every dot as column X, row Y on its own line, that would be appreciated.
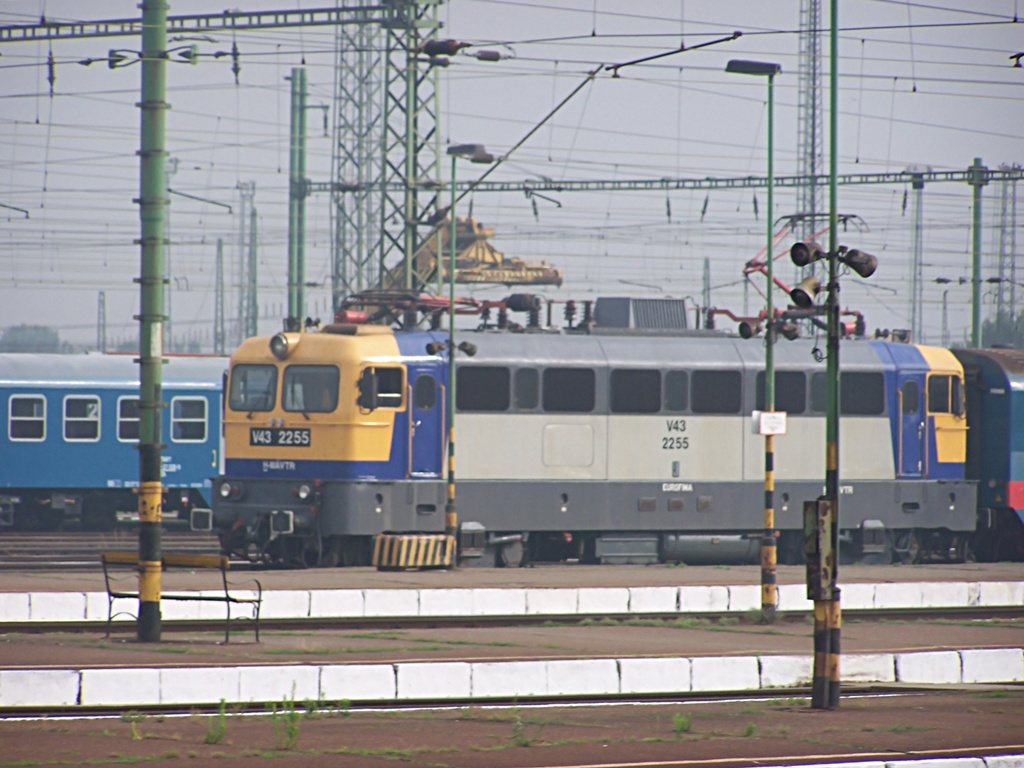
column 226, row 490
column 304, row 492
column 283, row 344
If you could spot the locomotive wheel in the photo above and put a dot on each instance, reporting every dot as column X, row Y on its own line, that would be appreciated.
column 908, row 547
column 510, row 555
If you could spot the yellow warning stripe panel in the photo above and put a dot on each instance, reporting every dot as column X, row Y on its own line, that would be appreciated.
column 412, row 550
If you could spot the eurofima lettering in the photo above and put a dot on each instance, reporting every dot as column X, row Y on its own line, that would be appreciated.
column 677, row 486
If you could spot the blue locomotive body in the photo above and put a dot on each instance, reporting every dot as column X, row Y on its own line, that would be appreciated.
column 69, row 426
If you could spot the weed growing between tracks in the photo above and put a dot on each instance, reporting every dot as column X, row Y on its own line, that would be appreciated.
column 474, row 737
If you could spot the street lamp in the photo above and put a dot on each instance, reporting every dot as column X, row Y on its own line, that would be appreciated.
column 476, row 154
column 769, row 557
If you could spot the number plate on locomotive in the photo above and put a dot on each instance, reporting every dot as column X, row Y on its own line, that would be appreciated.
column 278, row 436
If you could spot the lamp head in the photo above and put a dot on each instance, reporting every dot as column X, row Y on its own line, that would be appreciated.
column 745, row 67
column 788, row 330
column 864, row 264
column 805, row 253
column 749, row 329
column 803, row 295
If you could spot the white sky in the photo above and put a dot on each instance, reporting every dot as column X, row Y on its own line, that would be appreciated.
column 921, row 84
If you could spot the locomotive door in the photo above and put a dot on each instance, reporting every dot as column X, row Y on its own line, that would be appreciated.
column 911, row 431
column 425, row 427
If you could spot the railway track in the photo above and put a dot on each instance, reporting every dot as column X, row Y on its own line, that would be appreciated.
column 78, row 549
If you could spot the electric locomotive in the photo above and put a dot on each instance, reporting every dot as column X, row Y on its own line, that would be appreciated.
column 594, row 443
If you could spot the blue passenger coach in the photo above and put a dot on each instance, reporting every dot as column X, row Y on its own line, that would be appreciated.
column 69, row 426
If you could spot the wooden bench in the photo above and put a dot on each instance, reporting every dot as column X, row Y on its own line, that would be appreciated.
column 116, row 580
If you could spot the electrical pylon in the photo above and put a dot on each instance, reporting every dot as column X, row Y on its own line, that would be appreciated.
column 809, row 153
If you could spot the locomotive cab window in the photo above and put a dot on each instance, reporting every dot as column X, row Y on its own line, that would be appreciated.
column 82, row 419
column 945, row 394
column 310, row 388
column 569, row 390
column 188, row 419
column 636, row 391
column 253, row 388
column 128, row 417
column 790, row 392
column 381, row 387
column 26, row 417
column 482, row 388
column 716, row 392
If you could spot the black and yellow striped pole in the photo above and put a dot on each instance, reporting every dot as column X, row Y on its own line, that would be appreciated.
column 152, row 202
column 768, row 539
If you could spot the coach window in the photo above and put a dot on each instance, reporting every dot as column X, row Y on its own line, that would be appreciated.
column 424, row 392
column 677, row 391
column 483, row 388
column 253, row 387
column 312, row 389
column 128, row 419
column 527, row 389
column 790, row 392
column 861, row 394
column 188, row 419
column 716, row 392
column 26, row 417
column 910, row 396
column 636, row 391
column 82, row 419
column 569, row 390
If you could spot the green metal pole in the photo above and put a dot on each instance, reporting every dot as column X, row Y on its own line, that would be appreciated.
column 297, row 202
column 825, row 682
column 152, row 201
column 451, row 517
column 769, row 550
column 978, row 180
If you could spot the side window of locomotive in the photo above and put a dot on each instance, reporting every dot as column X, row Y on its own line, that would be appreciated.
column 82, row 419
column 188, row 419
column 910, row 395
column 677, row 391
column 26, row 417
column 569, row 390
column 312, row 389
column 790, row 392
column 819, row 402
column 424, row 392
column 128, row 417
column 716, row 392
column 938, row 394
column 527, row 389
column 253, row 388
column 861, row 394
column 636, row 391
column 957, row 397
column 483, row 388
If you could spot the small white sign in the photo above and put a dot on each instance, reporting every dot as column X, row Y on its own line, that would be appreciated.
column 768, row 422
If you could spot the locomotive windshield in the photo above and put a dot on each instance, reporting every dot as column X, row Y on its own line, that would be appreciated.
column 310, row 388
column 253, row 388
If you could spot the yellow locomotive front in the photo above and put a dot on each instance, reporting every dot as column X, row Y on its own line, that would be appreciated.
column 318, row 431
